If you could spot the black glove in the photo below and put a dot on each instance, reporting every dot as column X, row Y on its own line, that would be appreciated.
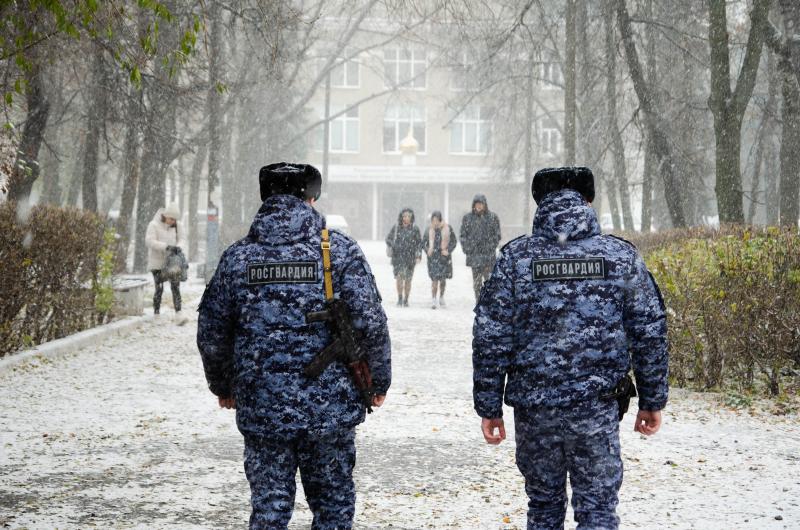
column 174, row 249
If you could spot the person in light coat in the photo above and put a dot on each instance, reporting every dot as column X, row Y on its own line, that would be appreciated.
column 161, row 238
column 438, row 243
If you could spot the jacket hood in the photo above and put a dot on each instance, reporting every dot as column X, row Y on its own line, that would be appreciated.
column 172, row 210
column 480, row 198
column 157, row 216
column 285, row 219
column 565, row 215
column 400, row 216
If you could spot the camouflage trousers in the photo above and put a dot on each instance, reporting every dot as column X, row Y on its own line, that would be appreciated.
column 326, row 471
column 582, row 442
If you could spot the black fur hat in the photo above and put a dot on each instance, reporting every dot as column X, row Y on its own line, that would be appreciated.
column 550, row 179
column 301, row 180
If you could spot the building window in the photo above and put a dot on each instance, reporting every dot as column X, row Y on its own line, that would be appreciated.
column 471, row 131
column 346, row 74
column 405, row 67
column 550, row 139
column 550, row 75
column 396, row 123
column 460, row 64
column 344, row 130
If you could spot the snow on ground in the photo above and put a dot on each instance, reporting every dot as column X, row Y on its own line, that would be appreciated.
column 126, row 435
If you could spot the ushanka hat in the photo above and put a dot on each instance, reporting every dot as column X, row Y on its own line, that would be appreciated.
column 301, row 180
column 550, row 179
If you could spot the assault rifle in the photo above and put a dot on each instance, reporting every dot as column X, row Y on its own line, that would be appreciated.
column 344, row 348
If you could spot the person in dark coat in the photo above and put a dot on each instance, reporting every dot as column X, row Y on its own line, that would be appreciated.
column 480, row 235
column 404, row 245
column 438, row 243
column 255, row 342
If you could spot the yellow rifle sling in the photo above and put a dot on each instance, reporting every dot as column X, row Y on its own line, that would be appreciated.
column 326, row 264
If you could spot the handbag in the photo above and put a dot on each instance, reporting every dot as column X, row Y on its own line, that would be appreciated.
column 176, row 268
column 390, row 248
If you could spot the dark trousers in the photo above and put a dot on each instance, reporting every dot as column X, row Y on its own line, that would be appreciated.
column 479, row 276
column 174, row 286
column 582, row 442
column 326, row 471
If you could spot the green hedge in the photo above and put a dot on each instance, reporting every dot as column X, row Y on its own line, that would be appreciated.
column 51, row 274
column 733, row 303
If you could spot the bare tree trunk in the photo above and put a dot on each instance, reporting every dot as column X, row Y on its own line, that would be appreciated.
column 755, row 182
column 26, row 167
column 194, row 198
column 728, row 106
column 649, row 157
column 74, row 190
column 94, row 123
column 765, row 131
column 617, row 147
column 790, row 9
column 130, row 170
column 654, row 122
column 570, row 96
column 790, row 154
column 51, row 159
column 613, row 199
column 772, row 157
column 528, row 163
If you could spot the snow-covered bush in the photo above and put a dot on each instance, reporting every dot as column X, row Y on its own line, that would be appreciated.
column 733, row 300
column 49, row 266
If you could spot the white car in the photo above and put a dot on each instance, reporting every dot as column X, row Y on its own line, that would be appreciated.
column 337, row 222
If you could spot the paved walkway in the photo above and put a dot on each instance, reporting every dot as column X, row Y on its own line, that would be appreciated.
column 126, row 435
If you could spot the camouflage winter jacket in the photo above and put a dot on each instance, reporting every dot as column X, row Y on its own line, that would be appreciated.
column 252, row 331
column 565, row 314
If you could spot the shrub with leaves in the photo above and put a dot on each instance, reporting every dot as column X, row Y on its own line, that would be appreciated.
column 733, row 300
column 50, row 260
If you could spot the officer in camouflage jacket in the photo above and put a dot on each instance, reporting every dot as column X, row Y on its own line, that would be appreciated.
column 255, row 342
column 565, row 314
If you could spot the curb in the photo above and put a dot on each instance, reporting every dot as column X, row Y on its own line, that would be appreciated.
column 75, row 342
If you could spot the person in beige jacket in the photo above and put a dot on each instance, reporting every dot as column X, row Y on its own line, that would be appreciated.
column 161, row 239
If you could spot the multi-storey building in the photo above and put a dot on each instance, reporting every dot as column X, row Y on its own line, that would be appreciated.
column 396, row 99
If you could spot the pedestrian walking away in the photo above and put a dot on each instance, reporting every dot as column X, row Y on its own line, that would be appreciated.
column 289, row 329
column 565, row 315
column 163, row 242
column 438, row 243
column 480, row 235
column 404, row 246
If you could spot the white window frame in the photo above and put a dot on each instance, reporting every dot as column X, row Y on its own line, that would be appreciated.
column 351, row 119
column 414, row 63
column 465, row 120
column 399, row 120
column 551, row 76
column 549, row 137
column 459, row 70
column 343, row 65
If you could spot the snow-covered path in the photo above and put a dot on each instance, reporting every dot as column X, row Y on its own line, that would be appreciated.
column 126, row 435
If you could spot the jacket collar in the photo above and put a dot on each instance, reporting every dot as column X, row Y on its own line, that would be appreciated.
column 564, row 215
